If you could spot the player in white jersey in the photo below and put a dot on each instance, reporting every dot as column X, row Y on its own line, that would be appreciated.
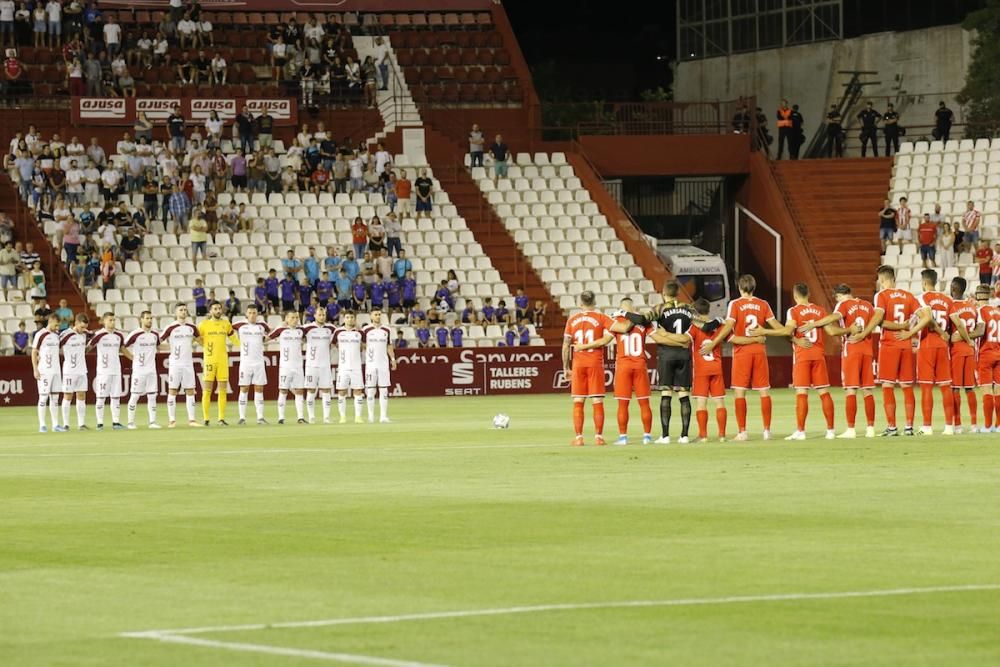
column 318, row 336
column 180, row 364
column 73, row 342
column 348, row 340
column 143, row 343
column 45, row 364
column 252, row 335
column 379, row 358
column 290, row 376
column 110, row 345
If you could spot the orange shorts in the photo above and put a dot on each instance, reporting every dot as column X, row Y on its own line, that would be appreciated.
column 933, row 365
column 810, row 374
column 963, row 372
column 989, row 369
column 895, row 364
column 587, row 382
column 708, row 386
column 856, row 371
column 750, row 371
column 629, row 377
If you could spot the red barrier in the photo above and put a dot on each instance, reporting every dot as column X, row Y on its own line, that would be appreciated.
column 123, row 111
column 473, row 371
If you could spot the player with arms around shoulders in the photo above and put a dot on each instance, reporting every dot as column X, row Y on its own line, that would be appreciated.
column 290, row 374
column 252, row 334
column 45, row 365
column 586, row 367
column 989, row 359
column 808, row 361
column 215, row 330
column 73, row 342
column 850, row 317
column 629, row 331
column 143, row 343
column 180, row 336
column 707, row 372
column 110, row 346
column 673, row 359
column 348, row 340
column 967, row 330
column 379, row 359
column 747, row 320
column 318, row 336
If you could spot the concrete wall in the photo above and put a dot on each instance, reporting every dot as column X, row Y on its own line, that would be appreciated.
column 926, row 62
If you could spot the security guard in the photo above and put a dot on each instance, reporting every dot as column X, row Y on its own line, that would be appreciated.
column 798, row 136
column 891, row 130
column 834, row 133
column 943, row 119
column 869, row 129
column 784, row 125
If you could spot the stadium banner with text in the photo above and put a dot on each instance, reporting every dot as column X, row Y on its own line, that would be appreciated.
column 310, row 6
column 470, row 371
column 123, row 111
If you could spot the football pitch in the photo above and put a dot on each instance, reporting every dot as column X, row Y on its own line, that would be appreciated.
column 437, row 540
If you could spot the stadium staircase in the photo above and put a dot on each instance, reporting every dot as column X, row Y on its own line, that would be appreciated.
column 836, row 204
column 446, row 159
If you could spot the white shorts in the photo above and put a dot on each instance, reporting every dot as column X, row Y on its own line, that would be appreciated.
column 319, row 378
column 290, row 379
column 108, row 386
column 72, row 384
column 252, row 375
column 181, row 377
column 376, row 376
column 49, row 383
column 144, row 383
column 904, row 235
column 349, row 378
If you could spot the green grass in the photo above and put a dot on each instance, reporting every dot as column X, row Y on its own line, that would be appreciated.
column 102, row 534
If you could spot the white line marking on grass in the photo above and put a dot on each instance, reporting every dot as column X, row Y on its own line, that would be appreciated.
column 347, row 658
column 529, row 609
column 233, row 452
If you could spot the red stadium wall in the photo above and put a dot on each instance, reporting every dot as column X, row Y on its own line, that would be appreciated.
column 446, row 372
column 669, row 155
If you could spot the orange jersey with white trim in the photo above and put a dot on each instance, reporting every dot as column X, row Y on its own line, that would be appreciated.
column 940, row 306
column 855, row 312
column 990, row 342
column 898, row 306
column 586, row 327
column 968, row 313
column 803, row 313
column 630, row 347
column 748, row 313
column 704, row 365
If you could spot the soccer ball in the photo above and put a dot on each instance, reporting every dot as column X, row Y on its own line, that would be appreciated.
column 501, row 421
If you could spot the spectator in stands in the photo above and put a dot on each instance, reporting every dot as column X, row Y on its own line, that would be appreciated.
column 393, row 293
column 403, row 266
column 501, row 155
column 25, row 166
column 131, row 245
column 200, row 298
column 36, row 282
column 523, row 332
column 741, row 120
column 476, row 146
column 352, row 76
column 403, row 191
column 359, row 236
column 342, row 286
column 509, row 336
column 187, row 32
column 9, row 259
column 945, row 245
column 425, row 194
column 886, row 225
column 970, row 224
column 408, row 290
column 272, row 170
column 279, row 58
column 943, row 118
column 239, row 171
column 382, row 61
column 291, row 266
column 311, row 267
column 332, row 262
column 371, row 179
column 382, row 159
column 423, row 333
column 257, row 181
column 443, row 296
column 356, row 169
column 869, row 128
column 984, row 258
column 376, row 237
column 74, row 184
column 39, row 20
column 503, row 316
column 186, row 71
column 6, row 229
column 71, row 239
column 54, row 9
column 97, row 154
column 383, row 264
column 927, row 235
column 441, row 334
column 232, row 307
column 7, row 9
column 206, row 32
column 891, row 129
column 359, row 295
column 13, row 72
column 199, row 235
column 489, row 312
column 180, row 209
column 21, row 339
column 176, row 126
column 797, row 137
column 111, row 182
column 265, row 128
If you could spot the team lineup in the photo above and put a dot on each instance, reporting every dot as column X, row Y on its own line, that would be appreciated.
column 950, row 341
column 366, row 357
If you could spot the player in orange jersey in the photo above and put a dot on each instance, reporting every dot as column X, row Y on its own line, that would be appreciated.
column 587, row 366
column 988, row 368
column 809, row 361
column 856, row 361
column 708, row 381
column 893, row 309
column 966, row 329
column 747, row 318
column 933, row 357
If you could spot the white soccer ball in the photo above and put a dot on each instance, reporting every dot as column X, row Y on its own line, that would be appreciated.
column 501, row 421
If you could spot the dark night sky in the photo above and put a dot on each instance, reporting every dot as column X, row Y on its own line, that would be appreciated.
column 590, row 49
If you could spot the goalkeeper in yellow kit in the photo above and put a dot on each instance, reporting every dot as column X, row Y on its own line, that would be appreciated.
column 214, row 331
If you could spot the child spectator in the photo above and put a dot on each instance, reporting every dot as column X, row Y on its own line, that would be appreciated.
column 233, row 308
column 520, row 304
column 456, row 336
column 423, row 334
column 443, row 295
column 288, row 288
column 324, row 289
column 21, row 339
column 314, row 305
column 468, row 313
column 408, row 288
column 489, row 312
column 305, row 294
column 377, row 289
column 260, row 296
column 502, row 315
column 538, row 315
column 984, row 257
column 393, row 294
column 343, row 285
column 332, row 312
column 401, row 343
column 359, row 294
column 200, row 301
column 523, row 332
column 441, row 332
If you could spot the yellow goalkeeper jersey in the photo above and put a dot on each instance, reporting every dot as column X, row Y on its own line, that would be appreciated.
column 213, row 339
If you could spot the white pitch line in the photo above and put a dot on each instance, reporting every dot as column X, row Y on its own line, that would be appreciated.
column 347, row 658
column 529, row 609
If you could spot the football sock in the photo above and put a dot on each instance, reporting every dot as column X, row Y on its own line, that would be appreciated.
column 282, row 397
column 66, row 403
column 358, row 406
column 383, row 402
column 851, row 408
column 99, row 409
column 801, row 411
column 206, row 403
column 222, row 405
column 956, row 398
column 577, row 417
column 996, row 408
column 81, row 411
column 599, row 418
column 133, row 401
column 190, row 407
column 926, row 403
column 43, row 401
column 685, row 415
column 970, row 396
column 258, row 403
column 828, row 410
column 870, row 409
column 54, row 409
column 889, row 405
column 172, row 407
column 622, row 417
column 327, row 406
column 151, row 407
column 370, row 395
column 646, row 414
column 988, row 410
column 244, row 394
column 702, row 416
column 948, row 399
column 116, row 410
column 299, row 400
column 765, row 411
column 720, row 419
column 741, row 415
column 342, row 406
column 910, row 404
column 665, row 411
column 311, row 404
